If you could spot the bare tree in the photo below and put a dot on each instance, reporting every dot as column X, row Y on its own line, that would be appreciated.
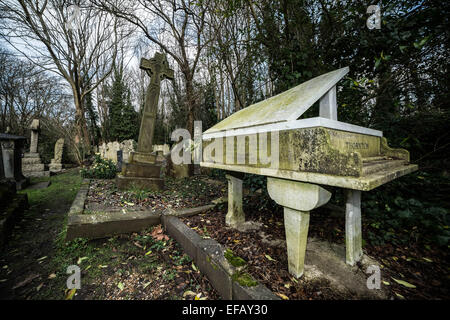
column 176, row 27
column 80, row 48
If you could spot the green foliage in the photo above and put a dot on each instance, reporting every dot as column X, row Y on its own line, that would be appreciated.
column 398, row 215
column 100, row 169
column 123, row 119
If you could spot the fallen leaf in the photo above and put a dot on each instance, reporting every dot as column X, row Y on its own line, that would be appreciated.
column 120, row 286
column 386, row 283
column 189, row 293
column 146, row 284
column 404, row 283
column 194, row 267
column 52, row 276
column 70, row 294
column 39, row 287
column 148, row 252
column 282, row 296
column 269, row 258
column 399, row 295
column 427, row 260
column 80, row 260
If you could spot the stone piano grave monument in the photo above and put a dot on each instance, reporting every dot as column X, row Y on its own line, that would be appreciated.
column 31, row 162
column 300, row 157
column 142, row 170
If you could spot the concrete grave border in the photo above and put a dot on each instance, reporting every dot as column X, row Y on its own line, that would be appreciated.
column 104, row 224
column 207, row 254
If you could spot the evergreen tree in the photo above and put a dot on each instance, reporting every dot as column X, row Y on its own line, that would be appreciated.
column 123, row 119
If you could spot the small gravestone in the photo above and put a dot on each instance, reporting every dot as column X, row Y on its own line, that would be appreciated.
column 55, row 164
column 143, row 169
column 119, row 159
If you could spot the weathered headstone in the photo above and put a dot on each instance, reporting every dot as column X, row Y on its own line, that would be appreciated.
column 119, row 160
column 55, row 164
column 31, row 163
column 11, row 160
column 142, row 169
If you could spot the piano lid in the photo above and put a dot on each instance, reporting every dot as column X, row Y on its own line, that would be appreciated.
column 286, row 106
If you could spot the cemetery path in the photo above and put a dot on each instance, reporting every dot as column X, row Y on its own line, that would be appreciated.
column 146, row 265
column 25, row 257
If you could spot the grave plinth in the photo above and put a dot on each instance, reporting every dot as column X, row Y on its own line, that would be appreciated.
column 31, row 163
column 298, row 155
column 11, row 160
column 142, row 169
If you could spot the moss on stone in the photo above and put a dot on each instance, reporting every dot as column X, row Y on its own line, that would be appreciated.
column 234, row 260
column 244, row 279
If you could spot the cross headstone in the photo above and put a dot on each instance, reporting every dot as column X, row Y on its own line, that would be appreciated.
column 158, row 69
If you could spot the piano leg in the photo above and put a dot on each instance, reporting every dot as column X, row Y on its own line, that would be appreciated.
column 296, row 224
column 235, row 215
column 353, row 239
column 298, row 199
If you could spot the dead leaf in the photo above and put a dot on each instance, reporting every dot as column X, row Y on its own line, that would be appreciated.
column 70, row 294
column 282, row 296
column 52, row 276
column 404, row 283
column 189, row 293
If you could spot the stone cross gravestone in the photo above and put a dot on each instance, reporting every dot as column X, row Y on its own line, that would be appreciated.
column 31, row 163
column 299, row 157
column 142, row 169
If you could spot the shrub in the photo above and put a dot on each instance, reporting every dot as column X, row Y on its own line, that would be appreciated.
column 100, row 169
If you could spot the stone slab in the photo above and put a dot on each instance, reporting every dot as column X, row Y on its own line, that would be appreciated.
column 55, row 167
column 31, row 155
column 36, row 174
column 142, row 157
column 325, row 260
column 101, row 225
column 32, row 167
column 124, row 183
column 142, row 170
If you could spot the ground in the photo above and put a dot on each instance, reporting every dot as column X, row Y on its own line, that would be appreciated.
column 148, row 265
